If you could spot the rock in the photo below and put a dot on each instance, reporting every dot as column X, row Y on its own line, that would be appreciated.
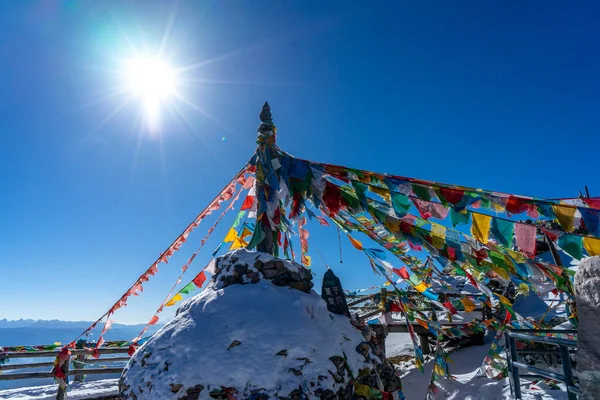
column 156, row 369
column 301, row 286
column 253, row 276
column 270, row 273
column 587, row 288
column 240, row 269
column 175, row 387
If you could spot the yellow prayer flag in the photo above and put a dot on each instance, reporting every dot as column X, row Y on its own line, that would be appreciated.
column 422, row 323
column 238, row 244
column 306, row 260
column 592, row 246
column 504, row 300
column 438, row 235
column 174, row 300
column 502, row 272
column 517, row 256
column 418, row 363
column 245, row 232
column 382, row 192
column 480, row 228
column 421, row 287
column 361, row 390
column 498, row 207
column 357, row 245
column 565, row 216
column 468, row 304
column 439, row 370
column 231, row 235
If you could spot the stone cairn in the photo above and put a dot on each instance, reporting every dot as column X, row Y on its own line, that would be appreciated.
column 231, row 270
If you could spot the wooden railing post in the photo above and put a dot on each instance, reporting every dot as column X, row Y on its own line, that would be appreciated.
column 79, row 364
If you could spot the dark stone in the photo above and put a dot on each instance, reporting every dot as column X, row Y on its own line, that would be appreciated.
column 328, row 395
column 193, row 393
column 270, row 273
column 363, row 349
column 281, row 279
column 295, row 277
column 296, row 394
column 229, row 280
column 301, row 286
column 175, row 387
column 240, row 269
column 253, row 276
column 306, row 274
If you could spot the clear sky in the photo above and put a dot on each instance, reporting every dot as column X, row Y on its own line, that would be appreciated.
column 486, row 94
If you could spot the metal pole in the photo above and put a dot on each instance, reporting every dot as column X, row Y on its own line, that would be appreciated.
column 513, row 370
column 568, row 371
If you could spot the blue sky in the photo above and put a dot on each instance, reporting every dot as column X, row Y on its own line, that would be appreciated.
column 493, row 95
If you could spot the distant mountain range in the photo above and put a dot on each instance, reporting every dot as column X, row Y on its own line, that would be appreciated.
column 29, row 332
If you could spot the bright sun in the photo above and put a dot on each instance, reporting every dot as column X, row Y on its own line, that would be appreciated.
column 153, row 81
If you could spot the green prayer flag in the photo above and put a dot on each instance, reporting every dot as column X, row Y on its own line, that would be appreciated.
column 238, row 218
column 421, row 191
column 497, row 259
column 190, row 287
column 458, row 217
column 503, row 231
column 353, row 202
column 571, row 244
column 401, row 203
column 415, row 280
column 257, row 237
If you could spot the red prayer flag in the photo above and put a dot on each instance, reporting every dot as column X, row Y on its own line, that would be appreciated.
column 402, row 272
column 450, row 307
column 200, row 279
column 247, row 203
column 525, row 235
column 452, row 196
column 514, row 205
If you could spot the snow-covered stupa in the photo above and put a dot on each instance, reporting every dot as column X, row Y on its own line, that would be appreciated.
column 256, row 331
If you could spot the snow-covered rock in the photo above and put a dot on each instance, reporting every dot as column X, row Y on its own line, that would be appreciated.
column 587, row 287
column 250, row 337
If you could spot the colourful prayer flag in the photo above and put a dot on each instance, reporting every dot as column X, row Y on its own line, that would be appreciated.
column 174, row 300
column 438, row 235
column 402, row 272
column 468, row 304
column 458, row 217
column 480, row 228
column 525, row 235
column 565, row 216
column 592, row 246
column 571, row 244
column 357, row 245
column 199, row 279
column 231, row 235
column 503, row 231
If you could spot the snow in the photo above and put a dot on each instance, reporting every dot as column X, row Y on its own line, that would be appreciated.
column 265, row 319
column 468, row 385
column 398, row 344
column 77, row 390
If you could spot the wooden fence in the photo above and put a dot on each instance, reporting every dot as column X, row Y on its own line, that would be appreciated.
column 81, row 357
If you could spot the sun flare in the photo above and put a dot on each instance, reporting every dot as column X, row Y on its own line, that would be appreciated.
column 153, row 82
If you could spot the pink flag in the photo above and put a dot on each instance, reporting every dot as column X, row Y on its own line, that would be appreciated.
column 525, row 235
